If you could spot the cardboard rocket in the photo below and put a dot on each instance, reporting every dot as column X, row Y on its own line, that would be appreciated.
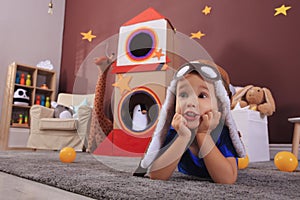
column 145, row 47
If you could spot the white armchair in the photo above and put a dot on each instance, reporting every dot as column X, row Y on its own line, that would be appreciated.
column 47, row 132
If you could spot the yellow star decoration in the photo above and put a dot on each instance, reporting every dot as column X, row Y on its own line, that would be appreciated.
column 158, row 54
column 122, row 83
column 88, row 36
column 197, row 35
column 282, row 10
column 206, row 10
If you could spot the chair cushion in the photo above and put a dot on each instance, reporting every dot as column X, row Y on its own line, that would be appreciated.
column 57, row 124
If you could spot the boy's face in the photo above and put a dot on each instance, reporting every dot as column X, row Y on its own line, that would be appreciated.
column 194, row 98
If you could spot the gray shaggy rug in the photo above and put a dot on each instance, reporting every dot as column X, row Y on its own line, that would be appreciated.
column 102, row 177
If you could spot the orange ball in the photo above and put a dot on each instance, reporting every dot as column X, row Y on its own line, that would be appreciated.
column 67, row 155
column 286, row 161
column 243, row 162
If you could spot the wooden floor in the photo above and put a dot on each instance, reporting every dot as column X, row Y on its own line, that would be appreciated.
column 13, row 187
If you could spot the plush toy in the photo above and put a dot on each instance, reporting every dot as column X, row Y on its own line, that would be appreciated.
column 21, row 97
column 101, row 123
column 257, row 98
column 61, row 111
column 140, row 118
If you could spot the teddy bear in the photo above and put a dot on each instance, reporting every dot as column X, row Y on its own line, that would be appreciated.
column 257, row 98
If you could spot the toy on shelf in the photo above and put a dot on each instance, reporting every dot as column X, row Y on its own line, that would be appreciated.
column 25, row 119
column 20, row 121
column 22, row 80
column 28, row 80
column 44, row 86
column 21, row 97
column 47, row 103
column 38, row 100
column 17, row 78
column 257, row 98
column 43, row 100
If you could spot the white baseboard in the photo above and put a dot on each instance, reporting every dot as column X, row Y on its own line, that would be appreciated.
column 275, row 148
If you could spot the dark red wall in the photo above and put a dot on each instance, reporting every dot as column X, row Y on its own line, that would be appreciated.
column 244, row 37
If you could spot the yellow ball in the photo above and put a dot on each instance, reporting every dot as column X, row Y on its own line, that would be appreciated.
column 286, row 161
column 243, row 162
column 67, row 155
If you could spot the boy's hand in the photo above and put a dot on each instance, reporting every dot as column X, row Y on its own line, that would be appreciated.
column 179, row 124
column 209, row 121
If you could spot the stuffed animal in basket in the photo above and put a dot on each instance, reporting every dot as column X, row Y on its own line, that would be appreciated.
column 257, row 98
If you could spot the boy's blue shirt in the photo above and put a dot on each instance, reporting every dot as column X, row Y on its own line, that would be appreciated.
column 191, row 164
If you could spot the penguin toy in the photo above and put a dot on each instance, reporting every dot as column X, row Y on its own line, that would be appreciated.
column 139, row 117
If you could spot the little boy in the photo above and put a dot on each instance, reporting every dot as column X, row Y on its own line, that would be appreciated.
column 195, row 131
